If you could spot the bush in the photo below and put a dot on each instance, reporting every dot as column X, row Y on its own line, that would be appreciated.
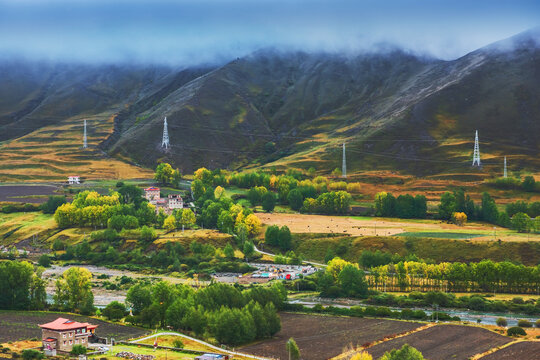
column 501, row 322
column 515, row 331
column 58, row 245
column 44, row 260
column 114, row 311
column 30, row 354
column 78, row 350
column 177, row 343
column 523, row 323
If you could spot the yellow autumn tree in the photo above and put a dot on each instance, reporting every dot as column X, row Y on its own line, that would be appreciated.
column 253, row 224
column 170, row 223
column 336, row 265
column 362, row 356
column 459, row 218
column 218, row 192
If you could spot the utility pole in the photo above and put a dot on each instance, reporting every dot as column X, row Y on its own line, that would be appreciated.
column 476, row 153
column 344, row 164
column 85, row 143
column 165, row 139
column 505, row 172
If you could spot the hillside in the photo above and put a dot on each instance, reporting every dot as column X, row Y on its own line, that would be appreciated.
column 396, row 111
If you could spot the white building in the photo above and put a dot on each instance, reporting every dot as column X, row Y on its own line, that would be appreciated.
column 152, row 193
column 175, row 202
column 74, row 179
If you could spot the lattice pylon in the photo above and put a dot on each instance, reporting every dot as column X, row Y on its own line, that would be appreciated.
column 476, row 153
column 85, row 142
column 165, row 139
column 344, row 164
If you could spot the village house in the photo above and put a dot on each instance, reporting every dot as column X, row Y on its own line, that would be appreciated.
column 168, row 204
column 62, row 334
column 74, row 179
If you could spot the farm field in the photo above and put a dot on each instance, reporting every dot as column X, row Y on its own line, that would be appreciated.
column 523, row 350
column 53, row 152
column 23, row 325
column 16, row 227
column 35, row 194
column 159, row 354
column 366, row 226
column 444, row 342
column 322, row 337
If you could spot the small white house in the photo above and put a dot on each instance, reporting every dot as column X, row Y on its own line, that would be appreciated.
column 74, row 179
column 175, row 201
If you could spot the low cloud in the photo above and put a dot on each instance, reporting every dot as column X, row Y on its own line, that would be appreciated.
column 194, row 32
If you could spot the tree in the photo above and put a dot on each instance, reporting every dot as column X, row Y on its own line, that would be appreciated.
column 139, row 297
column 248, row 249
column 228, row 251
column 521, row 222
column 271, row 236
column 336, row 172
column 147, row 234
column 166, row 175
column 170, row 223
column 78, row 350
column 268, row 201
column 501, row 322
column 253, row 224
column 295, row 199
column 197, row 189
column 459, row 218
column 405, row 353
column 362, row 356
column 73, row 290
column 58, row 245
column 352, row 282
column 50, row 206
column 284, row 238
column 292, row 349
column 489, row 209
column 44, row 260
column 131, row 194
column 15, row 282
column 114, row 311
column 218, row 192
column 187, row 218
column 225, row 222
column 385, row 204
column 447, row 206
column 528, row 183
column 255, row 195
column 516, row 331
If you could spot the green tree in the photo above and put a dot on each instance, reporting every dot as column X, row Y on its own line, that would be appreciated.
column 187, row 218
column 44, row 260
column 147, row 234
column 58, row 245
column 292, row 349
column 73, row 290
column 405, row 353
column 295, row 199
column 528, row 183
column 521, row 222
column 284, row 238
column 50, row 206
column 114, row 311
column 197, row 189
column 352, row 282
column 447, row 206
column 271, row 236
column 489, row 209
column 225, row 222
column 166, row 175
column 139, row 297
column 248, row 249
column 170, row 223
column 228, row 251
column 268, row 201
column 32, row 354
column 15, row 282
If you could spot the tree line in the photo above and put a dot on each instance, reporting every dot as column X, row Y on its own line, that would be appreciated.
column 21, row 286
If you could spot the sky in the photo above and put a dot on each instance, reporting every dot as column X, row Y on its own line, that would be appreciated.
column 188, row 32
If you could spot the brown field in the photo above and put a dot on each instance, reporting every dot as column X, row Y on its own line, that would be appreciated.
column 23, row 325
column 444, row 342
column 302, row 223
column 26, row 193
column 321, row 337
column 523, row 350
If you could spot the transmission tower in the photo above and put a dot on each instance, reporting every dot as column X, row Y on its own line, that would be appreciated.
column 165, row 140
column 85, row 143
column 344, row 165
column 505, row 173
column 476, row 153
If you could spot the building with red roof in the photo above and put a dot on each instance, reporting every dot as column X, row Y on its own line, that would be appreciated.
column 62, row 334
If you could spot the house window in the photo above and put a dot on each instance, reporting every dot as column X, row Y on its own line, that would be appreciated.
column 64, row 335
column 70, row 334
column 83, row 331
column 64, row 342
column 82, row 341
column 76, row 341
column 70, row 342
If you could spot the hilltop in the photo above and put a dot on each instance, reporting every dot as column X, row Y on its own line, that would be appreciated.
column 395, row 110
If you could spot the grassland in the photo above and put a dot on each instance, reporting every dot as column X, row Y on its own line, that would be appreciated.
column 15, row 227
column 53, row 152
column 159, row 354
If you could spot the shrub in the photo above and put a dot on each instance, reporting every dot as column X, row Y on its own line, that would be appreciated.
column 30, row 354
column 177, row 343
column 523, row 323
column 501, row 322
column 58, row 245
column 515, row 331
column 78, row 350
column 114, row 311
column 44, row 260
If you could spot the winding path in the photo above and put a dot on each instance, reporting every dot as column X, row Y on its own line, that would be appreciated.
column 272, row 255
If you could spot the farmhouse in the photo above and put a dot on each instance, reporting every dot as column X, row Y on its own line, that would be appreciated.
column 74, row 179
column 168, row 204
column 62, row 334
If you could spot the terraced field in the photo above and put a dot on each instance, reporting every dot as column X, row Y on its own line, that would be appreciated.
column 525, row 350
column 54, row 152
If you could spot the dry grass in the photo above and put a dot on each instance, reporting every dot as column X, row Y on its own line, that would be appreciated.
column 53, row 152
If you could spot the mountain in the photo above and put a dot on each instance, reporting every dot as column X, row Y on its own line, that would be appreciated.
column 395, row 110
